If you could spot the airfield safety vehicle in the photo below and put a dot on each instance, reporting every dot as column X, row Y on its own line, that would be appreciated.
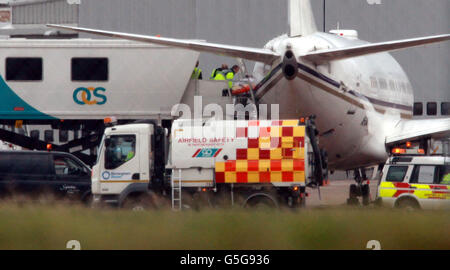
column 209, row 163
column 415, row 181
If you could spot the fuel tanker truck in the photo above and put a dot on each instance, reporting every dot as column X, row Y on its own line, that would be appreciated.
column 209, row 163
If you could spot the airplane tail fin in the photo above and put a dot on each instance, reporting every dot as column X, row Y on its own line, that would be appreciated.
column 301, row 18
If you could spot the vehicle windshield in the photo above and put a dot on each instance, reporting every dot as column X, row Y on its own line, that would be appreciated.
column 119, row 150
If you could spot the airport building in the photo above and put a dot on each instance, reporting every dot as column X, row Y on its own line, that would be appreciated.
column 27, row 18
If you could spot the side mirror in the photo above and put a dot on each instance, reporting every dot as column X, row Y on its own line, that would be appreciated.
column 107, row 142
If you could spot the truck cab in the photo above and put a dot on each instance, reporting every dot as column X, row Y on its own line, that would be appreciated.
column 415, row 182
column 126, row 162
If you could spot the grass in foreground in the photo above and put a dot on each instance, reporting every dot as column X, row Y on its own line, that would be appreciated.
column 50, row 227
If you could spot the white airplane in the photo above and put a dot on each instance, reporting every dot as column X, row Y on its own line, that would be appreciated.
column 360, row 94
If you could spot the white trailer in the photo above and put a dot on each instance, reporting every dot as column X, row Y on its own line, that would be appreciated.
column 74, row 84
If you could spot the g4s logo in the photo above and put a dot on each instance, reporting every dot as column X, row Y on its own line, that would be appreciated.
column 89, row 96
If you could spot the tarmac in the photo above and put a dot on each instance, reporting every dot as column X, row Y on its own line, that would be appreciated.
column 335, row 193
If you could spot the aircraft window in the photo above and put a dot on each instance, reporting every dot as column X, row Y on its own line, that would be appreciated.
column 396, row 173
column 383, row 84
column 374, row 82
column 445, row 108
column 392, row 86
column 431, row 108
column 401, row 86
column 418, row 108
column 23, row 69
column 89, row 69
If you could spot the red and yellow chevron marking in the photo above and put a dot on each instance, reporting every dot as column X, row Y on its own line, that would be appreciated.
column 421, row 191
column 274, row 153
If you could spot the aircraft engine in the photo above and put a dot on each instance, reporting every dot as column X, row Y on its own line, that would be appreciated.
column 290, row 67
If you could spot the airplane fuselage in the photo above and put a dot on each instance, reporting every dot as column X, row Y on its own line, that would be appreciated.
column 357, row 101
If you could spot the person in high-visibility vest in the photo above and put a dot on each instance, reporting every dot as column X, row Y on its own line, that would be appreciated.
column 227, row 75
column 217, row 70
column 446, row 179
column 197, row 73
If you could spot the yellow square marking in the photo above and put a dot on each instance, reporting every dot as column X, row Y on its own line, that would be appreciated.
column 290, row 123
column 264, row 165
column 299, row 131
column 299, row 177
column 287, row 145
column 241, row 165
column 253, row 177
column 253, row 154
column 287, row 165
column 275, row 177
column 275, row 132
column 287, row 142
column 276, row 153
column 299, row 153
column 264, row 142
column 230, row 177
column 220, row 166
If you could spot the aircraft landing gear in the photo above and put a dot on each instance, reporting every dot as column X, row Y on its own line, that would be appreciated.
column 359, row 189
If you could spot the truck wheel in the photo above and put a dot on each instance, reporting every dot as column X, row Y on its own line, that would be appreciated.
column 407, row 204
column 260, row 202
column 138, row 203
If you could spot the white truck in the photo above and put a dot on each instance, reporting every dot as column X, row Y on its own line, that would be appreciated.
column 210, row 163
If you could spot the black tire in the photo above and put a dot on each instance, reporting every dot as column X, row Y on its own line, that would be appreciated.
column 365, row 190
column 260, row 202
column 353, row 191
column 407, row 204
column 138, row 203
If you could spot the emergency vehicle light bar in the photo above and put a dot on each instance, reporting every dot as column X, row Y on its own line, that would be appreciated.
column 402, row 151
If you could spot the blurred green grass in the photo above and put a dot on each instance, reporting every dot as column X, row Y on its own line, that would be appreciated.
column 51, row 226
